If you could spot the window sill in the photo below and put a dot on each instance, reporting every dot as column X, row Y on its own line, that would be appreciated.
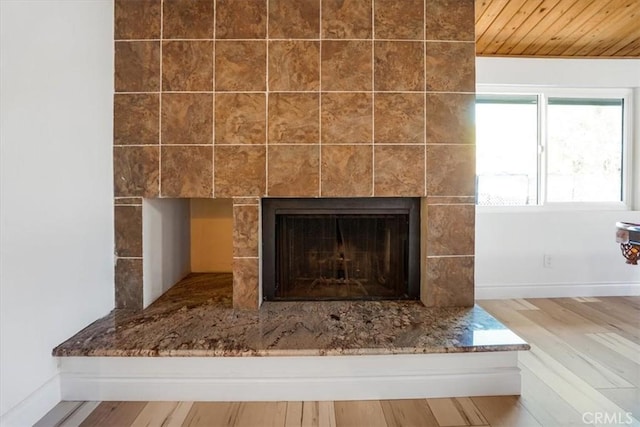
column 556, row 207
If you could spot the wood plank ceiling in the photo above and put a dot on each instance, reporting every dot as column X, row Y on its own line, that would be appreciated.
column 558, row 28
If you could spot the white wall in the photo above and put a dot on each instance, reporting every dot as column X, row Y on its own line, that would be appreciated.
column 558, row 72
column 56, row 238
column 511, row 243
column 165, row 245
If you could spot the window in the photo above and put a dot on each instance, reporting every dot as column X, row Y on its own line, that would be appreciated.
column 584, row 150
column 507, row 149
column 550, row 147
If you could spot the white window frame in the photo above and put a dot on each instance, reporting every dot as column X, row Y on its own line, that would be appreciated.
column 544, row 93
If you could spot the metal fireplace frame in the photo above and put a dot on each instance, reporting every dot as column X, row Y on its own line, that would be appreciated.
column 271, row 207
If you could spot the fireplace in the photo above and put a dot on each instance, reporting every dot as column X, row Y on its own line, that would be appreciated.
column 306, row 99
column 341, row 249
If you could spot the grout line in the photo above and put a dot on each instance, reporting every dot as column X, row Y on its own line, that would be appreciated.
column 293, row 91
column 450, row 196
column 137, row 93
column 450, row 92
column 292, row 39
column 373, row 99
column 451, row 256
column 360, row 144
column 320, row 103
column 451, row 204
column 424, row 96
column 337, row 144
column 266, row 109
column 213, row 111
column 168, row 145
column 455, row 144
column 160, row 106
column 363, row 144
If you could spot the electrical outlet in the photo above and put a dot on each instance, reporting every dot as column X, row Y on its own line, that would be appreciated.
column 547, row 261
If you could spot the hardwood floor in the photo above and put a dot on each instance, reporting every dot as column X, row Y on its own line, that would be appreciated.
column 583, row 369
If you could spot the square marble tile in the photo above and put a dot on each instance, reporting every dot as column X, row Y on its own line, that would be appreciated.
column 449, row 282
column 187, row 65
column 136, row 171
column 451, row 67
column 450, row 20
column 399, row 170
column 399, row 19
column 294, row 118
column 346, row 19
column 135, row 119
column 347, row 171
column 451, row 170
column 346, row 65
column 187, row 171
column 187, row 118
column 347, row 118
column 240, row 170
column 450, row 118
column 399, row 118
column 241, row 65
column 294, row 19
column 294, row 65
column 137, row 66
column 246, row 19
column 294, row 171
column 135, row 20
column 451, row 229
column 187, row 19
column 399, row 66
column 240, row 118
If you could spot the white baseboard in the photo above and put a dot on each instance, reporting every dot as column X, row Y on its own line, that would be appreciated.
column 556, row 290
column 31, row 409
column 290, row 378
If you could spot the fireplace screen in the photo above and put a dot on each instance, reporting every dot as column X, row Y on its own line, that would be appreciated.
column 327, row 252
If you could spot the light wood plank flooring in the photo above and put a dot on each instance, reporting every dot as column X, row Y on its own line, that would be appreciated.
column 583, row 369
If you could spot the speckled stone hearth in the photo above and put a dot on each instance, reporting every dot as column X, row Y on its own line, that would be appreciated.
column 196, row 318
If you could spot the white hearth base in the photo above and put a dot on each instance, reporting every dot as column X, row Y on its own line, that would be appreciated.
column 400, row 376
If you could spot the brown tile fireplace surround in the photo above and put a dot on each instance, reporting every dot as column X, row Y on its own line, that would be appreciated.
column 297, row 98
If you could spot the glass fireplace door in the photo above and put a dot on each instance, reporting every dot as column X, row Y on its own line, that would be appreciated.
column 340, row 249
column 341, row 256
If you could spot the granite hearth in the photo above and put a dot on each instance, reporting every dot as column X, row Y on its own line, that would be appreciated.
column 196, row 318
column 192, row 344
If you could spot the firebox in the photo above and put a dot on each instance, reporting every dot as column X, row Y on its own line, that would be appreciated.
column 340, row 249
